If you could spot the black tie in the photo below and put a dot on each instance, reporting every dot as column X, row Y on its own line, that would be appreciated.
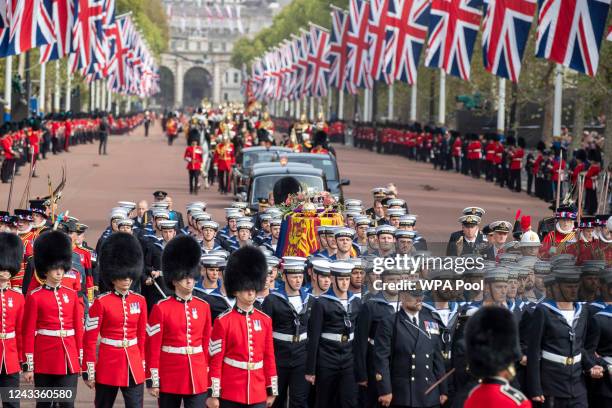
column 414, row 320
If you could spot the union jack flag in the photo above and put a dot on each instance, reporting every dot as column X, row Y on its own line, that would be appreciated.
column 570, row 32
column 4, row 29
column 453, row 27
column 504, row 36
column 303, row 42
column 358, row 60
column 89, row 15
column 317, row 60
column 377, row 36
column 407, row 22
column 63, row 22
column 336, row 57
column 30, row 25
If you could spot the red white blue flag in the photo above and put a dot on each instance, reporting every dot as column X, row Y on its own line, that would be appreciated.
column 63, row 23
column 358, row 57
column 30, row 25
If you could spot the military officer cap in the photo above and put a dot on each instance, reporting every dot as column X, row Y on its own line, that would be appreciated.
column 588, row 222
column 408, row 220
column 69, row 226
column 500, row 226
column 160, row 204
column 385, row 229
column 541, row 267
column 404, row 234
column 566, row 273
column 81, row 228
column 344, row 232
column 361, row 220
column 469, row 220
column 71, row 218
column 244, row 224
column 275, row 222
column 565, row 212
column 128, row 205
column 211, row 261
column 321, row 230
column 241, row 205
column 341, row 268
column 395, row 212
column 321, row 267
column 160, row 195
column 479, row 212
column 593, row 267
column 208, row 224
column 371, row 231
column 232, row 213
column 293, row 267
column 159, row 213
column 352, row 202
column 499, row 274
column 395, row 202
column 380, row 192
column 508, row 258
column 126, row 222
column 265, row 217
column 167, row 224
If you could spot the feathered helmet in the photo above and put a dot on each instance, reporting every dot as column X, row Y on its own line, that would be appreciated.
column 492, row 345
column 120, row 257
column 181, row 259
column 246, row 269
column 52, row 250
column 11, row 249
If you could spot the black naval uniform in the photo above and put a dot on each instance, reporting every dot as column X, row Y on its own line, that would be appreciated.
column 407, row 360
column 290, row 338
column 599, row 350
column 373, row 310
column 554, row 356
column 330, row 351
column 219, row 303
column 152, row 259
column 457, row 245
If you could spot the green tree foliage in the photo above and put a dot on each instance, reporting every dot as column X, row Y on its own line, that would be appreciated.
column 151, row 19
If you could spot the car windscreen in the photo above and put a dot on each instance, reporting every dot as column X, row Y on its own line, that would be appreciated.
column 263, row 185
column 250, row 158
column 327, row 165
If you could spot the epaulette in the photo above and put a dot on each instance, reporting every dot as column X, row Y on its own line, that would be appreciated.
column 514, row 394
column 136, row 294
column 163, row 300
column 263, row 313
column 16, row 290
column 67, row 288
column 228, row 311
column 36, row 290
column 198, row 298
column 101, row 295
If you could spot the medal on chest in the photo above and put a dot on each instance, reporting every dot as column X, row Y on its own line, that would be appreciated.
column 10, row 302
column 65, row 297
column 134, row 308
column 257, row 325
column 194, row 313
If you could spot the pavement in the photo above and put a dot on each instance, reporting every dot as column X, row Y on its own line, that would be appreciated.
column 136, row 166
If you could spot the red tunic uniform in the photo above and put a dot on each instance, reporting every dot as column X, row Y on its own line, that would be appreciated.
column 53, row 331
column 556, row 242
column 517, row 158
column 490, row 152
column 194, row 155
column 28, row 250
column 496, row 392
column 555, row 170
column 457, row 147
column 319, row 149
column 178, row 337
column 224, row 157
column 11, row 345
column 121, row 322
column 242, row 364
column 86, row 261
column 591, row 176
column 474, row 150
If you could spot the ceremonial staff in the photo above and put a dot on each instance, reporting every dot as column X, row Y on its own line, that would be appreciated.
column 559, row 179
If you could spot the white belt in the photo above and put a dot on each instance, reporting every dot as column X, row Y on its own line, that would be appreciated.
column 182, row 350
column 245, row 365
column 56, row 333
column 607, row 360
column 342, row 338
column 119, row 343
column 290, row 337
column 556, row 358
column 9, row 335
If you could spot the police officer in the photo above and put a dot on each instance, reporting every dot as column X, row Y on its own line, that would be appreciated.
column 288, row 306
column 329, row 363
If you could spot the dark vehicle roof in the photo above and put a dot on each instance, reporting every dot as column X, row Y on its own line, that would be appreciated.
column 271, row 148
column 288, row 169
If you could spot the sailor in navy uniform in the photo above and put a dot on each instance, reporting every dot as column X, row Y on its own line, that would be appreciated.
column 209, row 242
column 385, row 235
column 320, row 278
column 322, row 239
column 377, row 212
column 343, row 237
column 407, row 357
column 394, row 215
column 218, row 299
column 117, row 213
column 231, row 215
column 242, row 238
column 469, row 238
column 264, row 229
column 329, row 362
column 357, row 284
column 153, row 284
column 361, row 233
column 210, row 274
column 408, row 222
column 404, row 242
column 373, row 310
column 289, row 308
column 555, row 345
column 271, row 241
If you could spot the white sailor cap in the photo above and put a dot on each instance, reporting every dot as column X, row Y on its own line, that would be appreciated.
column 566, row 273
column 196, row 205
column 499, row 274
column 358, row 263
column 202, row 217
column 125, row 222
column 159, row 213
column 341, row 268
column 244, row 224
column 220, row 253
column 395, row 202
column 352, row 202
column 385, row 229
column 361, row 220
column 293, row 267
column 321, row 230
column 211, row 261
column 160, row 204
column 129, row 205
column 321, row 266
column 351, row 213
column 272, row 262
column 404, row 234
column 118, row 213
column 408, row 219
column 293, row 259
column 239, row 204
column 265, row 217
column 371, row 231
column 167, row 224
column 275, row 222
column 208, row 224
column 396, row 212
column 232, row 213
column 344, row 232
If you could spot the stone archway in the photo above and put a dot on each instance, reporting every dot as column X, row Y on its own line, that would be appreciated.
column 197, row 85
column 165, row 97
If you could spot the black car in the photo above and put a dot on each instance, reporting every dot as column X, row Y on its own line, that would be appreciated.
column 251, row 156
column 327, row 163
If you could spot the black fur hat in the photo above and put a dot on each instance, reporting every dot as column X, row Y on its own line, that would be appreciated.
column 11, row 252
column 246, row 269
column 181, row 259
column 594, row 155
column 52, row 250
column 521, row 142
column 581, row 155
column 491, row 337
column 283, row 187
column 541, row 146
column 510, row 141
column 120, row 257
column 320, row 138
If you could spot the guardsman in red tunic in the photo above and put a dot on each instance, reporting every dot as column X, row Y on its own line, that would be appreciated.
column 179, row 331
column 491, row 337
column 172, row 128
column 559, row 241
column 516, row 164
column 24, row 230
column 53, row 320
column 293, row 143
column 12, row 307
column 119, row 318
column 223, row 160
column 590, row 186
column 194, row 156
column 474, row 154
column 242, row 365
column 490, row 157
column 586, row 246
column 457, row 152
column 320, row 143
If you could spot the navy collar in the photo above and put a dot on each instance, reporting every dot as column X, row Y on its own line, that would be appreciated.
column 280, row 292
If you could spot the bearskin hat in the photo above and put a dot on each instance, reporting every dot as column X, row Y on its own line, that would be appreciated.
column 246, row 269
column 491, row 337
column 11, row 252
column 52, row 250
column 521, row 142
column 510, row 141
column 283, row 187
column 594, row 155
column 320, row 138
column 120, row 257
column 541, row 146
column 581, row 155
column 181, row 259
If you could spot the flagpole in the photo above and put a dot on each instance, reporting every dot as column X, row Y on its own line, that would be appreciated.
column 311, row 108
column 501, row 106
column 330, row 95
column 56, row 87
column 366, row 96
column 98, row 94
column 413, row 100
column 8, row 79
column 297, row 109
column 68, row 87
column 442, row 99
column 41, row 89
column 558, row 101
column 103, row 97
column 109, row 102
column 390, row 101
column 340, row 104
